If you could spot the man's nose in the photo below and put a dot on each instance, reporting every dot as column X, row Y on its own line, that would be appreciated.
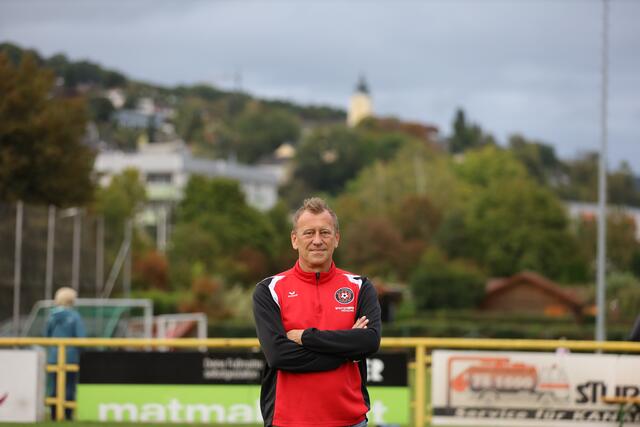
column 316, row 239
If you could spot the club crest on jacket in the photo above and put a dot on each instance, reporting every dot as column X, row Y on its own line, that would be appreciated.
column 344, row 295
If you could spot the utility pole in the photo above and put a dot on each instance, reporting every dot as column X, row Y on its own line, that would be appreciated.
column 126, row 273
column 601, row 334
column 99, row 255
column 75, row 263
column 51, row 240
column 17, row 268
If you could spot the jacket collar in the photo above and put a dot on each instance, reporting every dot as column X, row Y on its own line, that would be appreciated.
column 312, row 277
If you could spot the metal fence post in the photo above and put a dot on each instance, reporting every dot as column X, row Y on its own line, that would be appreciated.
column 420, row 394
column 61, row 382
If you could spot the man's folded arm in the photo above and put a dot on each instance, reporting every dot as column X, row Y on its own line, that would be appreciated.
column 281, row 352
column 353, row 344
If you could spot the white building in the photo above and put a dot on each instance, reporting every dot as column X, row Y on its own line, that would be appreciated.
column 581, row 209
column 166, row 168
column 117, row 97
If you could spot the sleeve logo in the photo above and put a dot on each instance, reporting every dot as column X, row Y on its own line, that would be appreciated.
column 344, row 295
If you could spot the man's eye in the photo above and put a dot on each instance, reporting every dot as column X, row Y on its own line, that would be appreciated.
column 325, row 233
column 308, row 233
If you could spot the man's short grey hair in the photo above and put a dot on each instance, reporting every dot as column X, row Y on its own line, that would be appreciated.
column 65, row 296
column 315, row 205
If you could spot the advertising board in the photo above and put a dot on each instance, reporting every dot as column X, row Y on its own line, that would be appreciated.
column 531, row 389
column 22, row 378
column 220, row 387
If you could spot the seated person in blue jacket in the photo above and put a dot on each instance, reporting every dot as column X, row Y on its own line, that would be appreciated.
column 64, row 322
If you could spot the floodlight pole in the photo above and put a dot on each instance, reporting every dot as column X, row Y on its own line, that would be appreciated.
column 51, row 239
column 75, row 262
column 602, row 184
column 99, row 256
column 17, row 268
column 126, row 273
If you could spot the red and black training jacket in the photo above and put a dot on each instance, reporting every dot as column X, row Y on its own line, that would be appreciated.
column 323, row 382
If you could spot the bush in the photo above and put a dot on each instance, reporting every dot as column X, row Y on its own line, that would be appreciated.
column 151, row 270
column 489, row 325
column 623, row 291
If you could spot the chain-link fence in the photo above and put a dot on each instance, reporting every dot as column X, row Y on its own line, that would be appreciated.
column 43, row 248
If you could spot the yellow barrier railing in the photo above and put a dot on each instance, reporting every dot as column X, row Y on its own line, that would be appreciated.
column 421, row 346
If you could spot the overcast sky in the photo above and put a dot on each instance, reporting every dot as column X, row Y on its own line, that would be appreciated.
column 526, row 66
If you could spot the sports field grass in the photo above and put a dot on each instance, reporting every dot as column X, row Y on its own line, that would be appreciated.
column 106, row 424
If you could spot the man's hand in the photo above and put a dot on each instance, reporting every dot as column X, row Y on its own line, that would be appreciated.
column 295, row 335
column 361, row 323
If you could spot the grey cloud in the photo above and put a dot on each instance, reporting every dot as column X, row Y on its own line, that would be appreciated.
column 517, row 66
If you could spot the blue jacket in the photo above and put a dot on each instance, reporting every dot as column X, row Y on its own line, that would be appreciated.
column 64, row 322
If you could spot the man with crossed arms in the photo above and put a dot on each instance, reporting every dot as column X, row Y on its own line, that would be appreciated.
column 316, row 324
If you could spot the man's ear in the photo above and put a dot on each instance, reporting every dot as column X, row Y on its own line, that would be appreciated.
column 294, row 240
column 337, row 238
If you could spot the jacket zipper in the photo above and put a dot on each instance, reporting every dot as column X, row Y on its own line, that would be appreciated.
column 318, row 305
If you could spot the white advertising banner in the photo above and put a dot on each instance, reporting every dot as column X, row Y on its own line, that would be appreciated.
column 531, row 389
column 22, row 384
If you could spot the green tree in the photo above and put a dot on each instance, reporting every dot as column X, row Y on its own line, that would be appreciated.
column 467, row 135
column 391, row 211
column 623, row 290
column 623, row 249
column 375, row 246
column 217, row 233
column 440, row 283
column 124, row 195
column 483, row 167
column 452, row 235
column 514, row 224
column 42, row 157
column 284, row 254
column 517, row 226
column 84, row 72
column 189, row 123
column 622, row 187
column 582, row 182
column 416, row 171
column 15, row 53
column 540, row 159
column 329, row 157
column 100, row 109
column 118, row 203
column 259, row 131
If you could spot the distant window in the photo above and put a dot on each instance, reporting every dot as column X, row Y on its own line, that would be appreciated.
column 159, row 178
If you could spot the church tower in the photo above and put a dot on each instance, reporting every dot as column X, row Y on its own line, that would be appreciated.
column 360, row 105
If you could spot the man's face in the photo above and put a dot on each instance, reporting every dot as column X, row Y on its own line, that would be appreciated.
column 315, row 239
